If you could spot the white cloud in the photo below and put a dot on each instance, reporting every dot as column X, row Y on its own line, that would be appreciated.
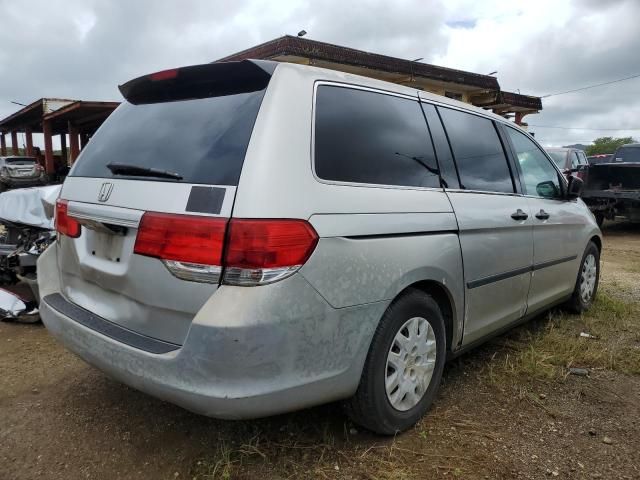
column 85, row 48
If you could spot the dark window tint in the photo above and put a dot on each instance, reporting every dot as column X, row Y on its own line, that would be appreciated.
column 204, row 140
column 539, row 176
column 627, row 154
column 367, row 137
column 482, row 164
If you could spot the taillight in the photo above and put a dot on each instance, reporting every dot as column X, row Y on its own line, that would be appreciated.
column 252, row 252
column 189, row 245
column 64, row 223
column 261, row 251
column 164, row 75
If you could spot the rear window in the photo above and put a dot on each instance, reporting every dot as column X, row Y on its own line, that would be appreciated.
column 22, row 160
column 478, row 152
column 627, row 155
column 204, row 140
column 373, row 138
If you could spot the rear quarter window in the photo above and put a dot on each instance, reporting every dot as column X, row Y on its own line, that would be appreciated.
column 203, row 140
column 372, row 138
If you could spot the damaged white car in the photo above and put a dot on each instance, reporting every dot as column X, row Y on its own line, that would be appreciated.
column 26, row 216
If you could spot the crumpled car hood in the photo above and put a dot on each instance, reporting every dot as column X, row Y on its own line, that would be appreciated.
column 30, row 206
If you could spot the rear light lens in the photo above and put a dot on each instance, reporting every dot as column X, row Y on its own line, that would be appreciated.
column 256, row 252
column 64, row 223
column 189, row 245
column 265, row 251
column 164, row 75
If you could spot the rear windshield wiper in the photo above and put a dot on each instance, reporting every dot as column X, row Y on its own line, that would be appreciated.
column 136, row 171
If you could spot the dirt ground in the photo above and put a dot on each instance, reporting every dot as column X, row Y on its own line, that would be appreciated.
column 509, row 409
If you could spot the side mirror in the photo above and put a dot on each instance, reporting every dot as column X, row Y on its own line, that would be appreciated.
column 547, row 189
column 574, row 190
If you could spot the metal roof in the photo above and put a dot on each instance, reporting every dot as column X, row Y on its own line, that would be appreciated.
column 31, row 115
column 312, row 49
column 87, row 116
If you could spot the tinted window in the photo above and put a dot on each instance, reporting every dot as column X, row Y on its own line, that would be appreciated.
column 203, row 140
column 539, row 176
column 368, row 137
column 627, row 154
column 482, row 164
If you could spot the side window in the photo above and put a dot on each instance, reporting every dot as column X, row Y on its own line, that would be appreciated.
column 478, row 152
column 540, row 177
column 368, row 137
column 583, row 158
column 575, row 160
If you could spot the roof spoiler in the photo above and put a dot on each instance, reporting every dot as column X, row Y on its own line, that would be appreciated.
column 199, row 81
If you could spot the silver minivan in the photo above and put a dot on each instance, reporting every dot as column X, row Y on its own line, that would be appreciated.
column 250, row 238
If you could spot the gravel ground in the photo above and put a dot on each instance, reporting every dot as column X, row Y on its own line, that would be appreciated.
column 62, row 419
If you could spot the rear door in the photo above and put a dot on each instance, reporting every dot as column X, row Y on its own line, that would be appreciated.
column 558, row 224
column 173, row 152
column 495, row 225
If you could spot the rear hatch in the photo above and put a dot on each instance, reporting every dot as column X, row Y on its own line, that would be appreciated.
column 22, row 167
column 169, row 158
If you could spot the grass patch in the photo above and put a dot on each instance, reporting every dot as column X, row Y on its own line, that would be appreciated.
column 548, row 347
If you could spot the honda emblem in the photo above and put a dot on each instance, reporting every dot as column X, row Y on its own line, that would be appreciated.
column 105, row 191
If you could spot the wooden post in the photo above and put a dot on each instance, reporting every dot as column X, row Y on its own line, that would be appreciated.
column 73, row 142
column 63, row 148
column 84, row 139
column 3, row 145
column 14, row 142
column 518, row 118
column 29, row 135
column 49, row 166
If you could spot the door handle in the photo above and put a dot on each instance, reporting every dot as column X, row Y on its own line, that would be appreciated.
column 542, row 215
column 519, row 215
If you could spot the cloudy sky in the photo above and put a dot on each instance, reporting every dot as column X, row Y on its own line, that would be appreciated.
column 84, row 48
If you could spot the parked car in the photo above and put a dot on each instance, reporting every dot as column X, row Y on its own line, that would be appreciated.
column 571, row 161
column 17, row 171
column 600, row 158
column 613, row 188
column 250, row 238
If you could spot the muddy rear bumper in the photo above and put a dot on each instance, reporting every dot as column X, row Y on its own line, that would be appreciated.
column 250, row 352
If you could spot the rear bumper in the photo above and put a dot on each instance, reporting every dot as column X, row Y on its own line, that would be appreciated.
column 250, row 352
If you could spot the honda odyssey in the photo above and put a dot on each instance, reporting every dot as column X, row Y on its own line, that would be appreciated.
column 250, row 238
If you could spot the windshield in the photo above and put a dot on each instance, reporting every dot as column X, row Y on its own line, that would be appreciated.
column 559, row 157
column 202, row 141
column 626, row 155
column 20, row 160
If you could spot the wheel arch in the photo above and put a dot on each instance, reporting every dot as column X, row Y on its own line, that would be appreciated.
column 443, row 297
column 597, row 241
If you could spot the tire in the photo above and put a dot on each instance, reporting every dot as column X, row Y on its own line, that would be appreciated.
column 371, row 407
column 580, row 301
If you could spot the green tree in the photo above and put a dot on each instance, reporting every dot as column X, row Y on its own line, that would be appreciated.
column 607, row 145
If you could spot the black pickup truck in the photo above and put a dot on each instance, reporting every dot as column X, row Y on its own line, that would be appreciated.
column 613, row 188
